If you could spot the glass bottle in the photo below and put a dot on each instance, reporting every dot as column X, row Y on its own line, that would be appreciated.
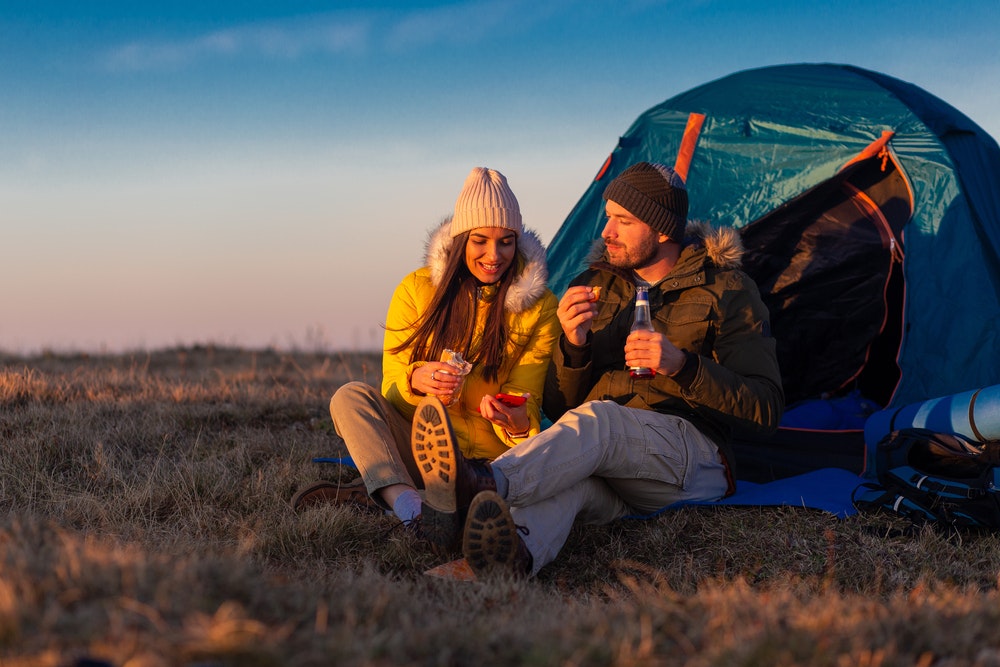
column 642, row 322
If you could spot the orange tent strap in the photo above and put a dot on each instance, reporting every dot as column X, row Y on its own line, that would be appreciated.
column 604, row 168
column 688, row 142
column 873, row 149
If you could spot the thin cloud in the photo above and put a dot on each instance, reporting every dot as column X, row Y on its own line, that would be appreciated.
column 276, row 40
column 456, row 23
column 336, row 34
column 470, row 22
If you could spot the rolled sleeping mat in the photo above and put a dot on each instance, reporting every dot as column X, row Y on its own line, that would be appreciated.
column 974, row 414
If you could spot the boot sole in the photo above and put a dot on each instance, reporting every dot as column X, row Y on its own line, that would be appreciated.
column 434, row 450
column 489, row 541
column 433, row 445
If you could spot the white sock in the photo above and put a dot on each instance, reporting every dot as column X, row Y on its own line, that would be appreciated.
column 407, row 506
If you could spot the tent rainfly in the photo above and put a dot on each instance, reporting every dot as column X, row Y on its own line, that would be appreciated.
column 870, row 213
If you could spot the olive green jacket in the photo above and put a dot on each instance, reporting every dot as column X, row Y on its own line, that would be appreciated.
column 707, row 307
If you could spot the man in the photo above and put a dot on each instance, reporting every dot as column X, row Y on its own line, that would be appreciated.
column 623, row 445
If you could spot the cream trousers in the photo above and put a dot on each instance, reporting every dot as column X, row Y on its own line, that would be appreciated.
column 600, row 462
column 376, row 436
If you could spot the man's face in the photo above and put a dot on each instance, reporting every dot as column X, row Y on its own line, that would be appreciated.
column 631, row 243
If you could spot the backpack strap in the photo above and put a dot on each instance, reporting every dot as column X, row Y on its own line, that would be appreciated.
column 870, row 497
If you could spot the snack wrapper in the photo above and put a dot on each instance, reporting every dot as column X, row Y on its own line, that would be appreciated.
column 461, row 369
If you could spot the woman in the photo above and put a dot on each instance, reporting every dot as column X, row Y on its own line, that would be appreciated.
column 482, row 294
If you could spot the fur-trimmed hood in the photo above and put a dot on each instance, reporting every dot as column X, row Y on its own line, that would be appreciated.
column 723, row 245
column 526, row 289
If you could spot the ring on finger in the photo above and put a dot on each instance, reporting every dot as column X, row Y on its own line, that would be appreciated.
column 433, row 376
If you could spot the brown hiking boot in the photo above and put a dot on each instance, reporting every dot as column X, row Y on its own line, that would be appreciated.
column 317, row 493
column 490, row 542
column 450, row 480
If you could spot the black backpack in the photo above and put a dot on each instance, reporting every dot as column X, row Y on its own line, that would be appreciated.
column 934, row 477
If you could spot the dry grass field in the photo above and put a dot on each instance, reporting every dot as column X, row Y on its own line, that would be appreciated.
column 144, row 522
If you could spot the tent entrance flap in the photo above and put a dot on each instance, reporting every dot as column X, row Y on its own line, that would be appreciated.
column 828, row 265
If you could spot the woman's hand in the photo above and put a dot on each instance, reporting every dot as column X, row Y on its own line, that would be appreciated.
column 513, row 420
column 434, row 379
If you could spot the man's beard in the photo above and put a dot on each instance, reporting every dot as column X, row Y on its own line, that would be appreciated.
column 636, row 257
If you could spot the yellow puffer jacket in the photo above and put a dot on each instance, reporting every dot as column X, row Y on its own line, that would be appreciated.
column 530, row 310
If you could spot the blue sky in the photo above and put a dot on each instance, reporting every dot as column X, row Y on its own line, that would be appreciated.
column 264, row 173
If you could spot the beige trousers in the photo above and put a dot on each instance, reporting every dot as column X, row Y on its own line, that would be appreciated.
column 377, row 438
column 601, row 462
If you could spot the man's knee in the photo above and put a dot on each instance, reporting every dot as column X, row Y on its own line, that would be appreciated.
column 598, row 410
column 604, row 407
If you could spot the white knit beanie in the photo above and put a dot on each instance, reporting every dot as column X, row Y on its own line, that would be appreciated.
column 486, row 201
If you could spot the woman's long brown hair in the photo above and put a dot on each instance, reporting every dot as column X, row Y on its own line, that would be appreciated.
column 450, row 320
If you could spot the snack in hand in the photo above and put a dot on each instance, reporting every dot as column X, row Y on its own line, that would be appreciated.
column 452, row 358
column 459, row 367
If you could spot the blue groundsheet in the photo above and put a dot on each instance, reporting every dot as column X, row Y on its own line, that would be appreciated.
column 827, row 489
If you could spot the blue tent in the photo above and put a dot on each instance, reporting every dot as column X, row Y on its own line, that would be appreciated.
column 870, row 210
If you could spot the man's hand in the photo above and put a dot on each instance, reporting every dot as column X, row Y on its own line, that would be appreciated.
column 651, row 349
column 577, row 310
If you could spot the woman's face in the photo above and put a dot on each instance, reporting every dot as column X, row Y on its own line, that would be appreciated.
column 489, row 251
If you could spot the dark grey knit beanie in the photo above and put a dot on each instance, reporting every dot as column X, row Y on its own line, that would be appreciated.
column 655, row 194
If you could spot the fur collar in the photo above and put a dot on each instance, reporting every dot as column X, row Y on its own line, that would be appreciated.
column 723, row 245
column 526, row 289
